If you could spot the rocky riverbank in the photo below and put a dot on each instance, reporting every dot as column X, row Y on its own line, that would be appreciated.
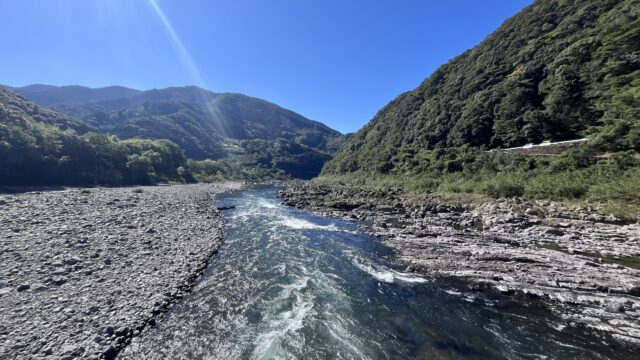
column 83, row 271
column 584, row 266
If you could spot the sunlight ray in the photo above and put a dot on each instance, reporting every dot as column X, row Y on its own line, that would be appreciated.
column 189, row 64
column 184, row 55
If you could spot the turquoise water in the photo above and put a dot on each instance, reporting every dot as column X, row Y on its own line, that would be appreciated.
column 291, row 285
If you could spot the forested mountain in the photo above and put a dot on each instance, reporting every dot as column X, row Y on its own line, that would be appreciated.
column 198, row 120
column 559, row 69
column 42, row 147
column 240, row 137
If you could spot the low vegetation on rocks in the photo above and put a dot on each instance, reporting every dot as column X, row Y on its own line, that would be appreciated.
column 577, row 175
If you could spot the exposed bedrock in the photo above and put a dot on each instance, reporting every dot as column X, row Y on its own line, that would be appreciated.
column 585, row 266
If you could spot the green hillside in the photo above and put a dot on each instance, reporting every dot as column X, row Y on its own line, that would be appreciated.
column 198, row 120
column 224, row 136
column 557, row 70
column 42, row 147
column 240, row 137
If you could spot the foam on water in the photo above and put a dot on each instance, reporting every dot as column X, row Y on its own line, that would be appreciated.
column 285, row 323
column 341, row 334
column 302, row 224
column 387, row 275
column 269, row 204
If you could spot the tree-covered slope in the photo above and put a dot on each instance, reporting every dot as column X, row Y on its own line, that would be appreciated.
column 41, row 147
column 10, row 100
column 252, row 138
column 198, row 120
column 183, row 123
column 559, row 69
column 202, row 129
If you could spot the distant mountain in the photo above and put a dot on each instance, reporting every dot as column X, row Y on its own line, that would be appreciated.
column 200, row 121
column 47, row 95
column 251, row 135
column 558, row 70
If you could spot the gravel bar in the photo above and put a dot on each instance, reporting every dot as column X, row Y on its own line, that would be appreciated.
column 82, row 271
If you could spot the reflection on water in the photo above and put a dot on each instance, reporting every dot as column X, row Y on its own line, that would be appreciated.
column 291, row 285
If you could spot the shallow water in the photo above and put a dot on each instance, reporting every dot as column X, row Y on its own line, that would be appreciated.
column 291, row 285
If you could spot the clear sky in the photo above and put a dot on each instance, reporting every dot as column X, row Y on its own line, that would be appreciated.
column 336, row 61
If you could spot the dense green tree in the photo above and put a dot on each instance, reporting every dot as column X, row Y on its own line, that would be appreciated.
column 34, row 151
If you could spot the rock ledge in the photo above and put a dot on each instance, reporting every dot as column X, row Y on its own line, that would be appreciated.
column 584, row 266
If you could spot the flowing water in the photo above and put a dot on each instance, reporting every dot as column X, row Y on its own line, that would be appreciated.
column 291, row 285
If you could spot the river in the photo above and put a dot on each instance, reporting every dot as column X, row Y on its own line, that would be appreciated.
column 288, row 284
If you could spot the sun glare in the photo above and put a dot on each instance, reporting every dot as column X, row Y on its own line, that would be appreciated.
column 186, row 59
column 189, row 64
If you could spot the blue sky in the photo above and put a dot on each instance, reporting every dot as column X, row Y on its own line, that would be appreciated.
column 336, row 61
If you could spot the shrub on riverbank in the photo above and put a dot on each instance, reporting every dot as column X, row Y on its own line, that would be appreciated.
column 209, row 171
column 576, row 175
column 46, row 155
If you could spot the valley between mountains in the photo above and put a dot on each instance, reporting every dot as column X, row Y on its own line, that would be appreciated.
column 182, row 222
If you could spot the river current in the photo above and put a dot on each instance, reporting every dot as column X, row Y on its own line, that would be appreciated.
column 288, row 284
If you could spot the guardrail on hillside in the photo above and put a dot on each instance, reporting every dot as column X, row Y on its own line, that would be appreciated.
column 546, row 147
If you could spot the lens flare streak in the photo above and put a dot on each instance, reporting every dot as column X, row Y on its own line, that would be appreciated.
column 175, row 39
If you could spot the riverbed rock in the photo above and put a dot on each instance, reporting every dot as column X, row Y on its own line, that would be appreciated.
column 78, row 282
column 572, row 260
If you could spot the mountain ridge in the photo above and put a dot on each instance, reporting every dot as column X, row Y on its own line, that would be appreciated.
column 238, row 136
column 197, row 119
column 47, row 95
